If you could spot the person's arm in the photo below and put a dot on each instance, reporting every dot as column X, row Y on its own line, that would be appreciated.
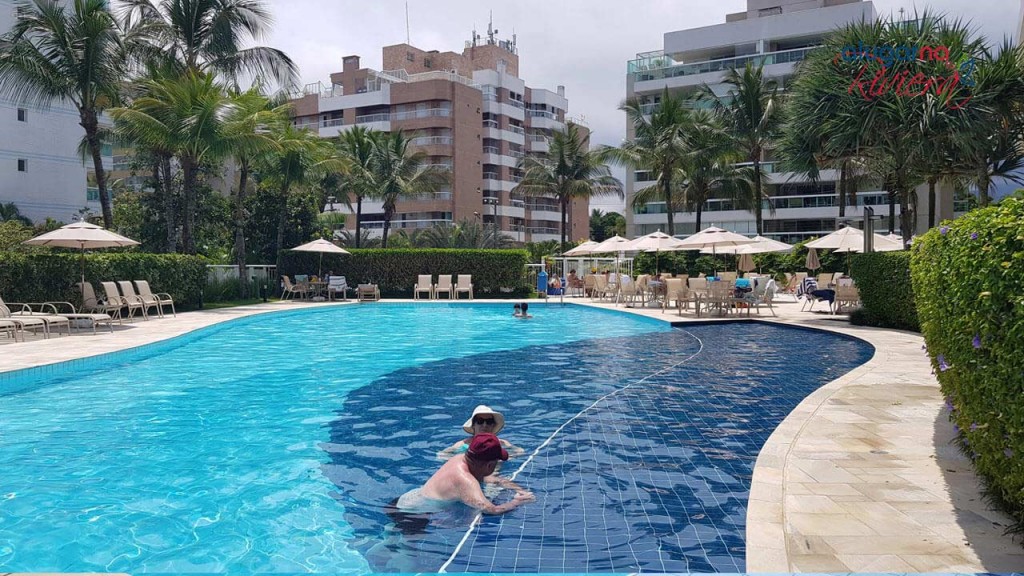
column 472, row 496
column 451, row 450
column 504, row 483
column 513, row 450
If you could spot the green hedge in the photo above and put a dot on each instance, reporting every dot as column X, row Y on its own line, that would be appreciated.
column 969, row 281
column 395, row 270
column 883, row 280
column 53, row 276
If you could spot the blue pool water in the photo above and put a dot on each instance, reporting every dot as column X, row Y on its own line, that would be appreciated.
column 273, row 443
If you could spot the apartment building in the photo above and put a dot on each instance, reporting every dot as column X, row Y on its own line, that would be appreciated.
column 777, row 34
column 41, row 171
column 471, row 114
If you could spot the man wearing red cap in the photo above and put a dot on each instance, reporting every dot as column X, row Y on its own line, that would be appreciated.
column 458, row 480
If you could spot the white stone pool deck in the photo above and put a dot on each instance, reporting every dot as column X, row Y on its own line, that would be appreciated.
column 860, row 477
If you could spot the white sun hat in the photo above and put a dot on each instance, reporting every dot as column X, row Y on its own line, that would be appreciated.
column 499, row 420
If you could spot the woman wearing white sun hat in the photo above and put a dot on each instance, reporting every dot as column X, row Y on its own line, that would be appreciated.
column 483, row 420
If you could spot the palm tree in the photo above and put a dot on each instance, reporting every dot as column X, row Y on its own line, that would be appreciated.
column 9, row 213
column 464, row 234
column 709, row 168
column 185, row 115
column 657, row 148
column 208, row 36
column 249, row 130
column 569, row 171
column 356, row 146
column 752, row 114
column 400, row 172
column 53, row 55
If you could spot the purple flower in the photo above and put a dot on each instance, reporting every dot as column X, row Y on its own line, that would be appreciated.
column 943, row 230
column 974, row 426
column 1008, row 453
column 956, row 429
column 974, row 235
column 942, row 363
column 949, row 405
column 976, row 342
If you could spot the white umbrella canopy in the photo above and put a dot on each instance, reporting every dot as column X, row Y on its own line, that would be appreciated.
column 746, row 263
column 321, row 246
column 654, row 242
column 888, row 243
column 81, row 235
column 614, row 244
column 581, row 250
column 714, row 238
column 762, row 245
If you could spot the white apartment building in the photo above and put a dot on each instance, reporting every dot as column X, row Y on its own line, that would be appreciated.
column 777, row 34
column 41, row 171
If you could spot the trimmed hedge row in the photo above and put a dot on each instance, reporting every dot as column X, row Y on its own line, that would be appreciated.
column 394, row 271
column 883, row 280
column 53, row 276
column 969, row 280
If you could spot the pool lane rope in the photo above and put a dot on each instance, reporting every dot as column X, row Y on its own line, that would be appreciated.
column 479, row 515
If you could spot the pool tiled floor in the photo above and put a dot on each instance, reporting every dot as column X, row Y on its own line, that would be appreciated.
column 859, row 477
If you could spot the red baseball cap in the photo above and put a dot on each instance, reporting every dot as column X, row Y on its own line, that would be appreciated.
column 486, row 447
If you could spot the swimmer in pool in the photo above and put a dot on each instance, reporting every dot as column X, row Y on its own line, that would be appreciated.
column 482, row 420
column 458, row 480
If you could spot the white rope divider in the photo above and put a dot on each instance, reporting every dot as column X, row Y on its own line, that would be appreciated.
column 479, row 515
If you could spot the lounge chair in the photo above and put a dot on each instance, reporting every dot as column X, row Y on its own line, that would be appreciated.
column 112, row 294
column 128, row 293
column 67, row 310
column 464, row 284
column 423, row 284
column 162, row 298
column 444, row 286
column 40, row 311
column 337, row 284
column 846, row 297
column 10, row 328
column 23, row 322
column 290, row 290
column 92, row 304
column 367, row 293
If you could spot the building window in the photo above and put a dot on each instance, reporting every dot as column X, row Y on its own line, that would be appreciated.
column 92, row 194
column 770, row 11
column 22, row 165
column 22, row 115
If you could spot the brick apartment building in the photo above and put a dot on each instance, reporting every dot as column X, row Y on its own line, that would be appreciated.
column 471, row 114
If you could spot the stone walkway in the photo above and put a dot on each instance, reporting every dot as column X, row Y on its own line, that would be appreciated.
column 859, row 477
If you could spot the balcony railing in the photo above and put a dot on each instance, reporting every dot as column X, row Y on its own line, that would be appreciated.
column 427, row 113
column 491, row 176
column 542, row 230
column 490, row 123
column 368, row 118
column 660, row 68
column 332, row 122
column 516, row 103
column 432, row 141
column 516, row 129
column 492, row 150
column 543, row 114
column 440, row 167
column 540, row 138
column 407, row 223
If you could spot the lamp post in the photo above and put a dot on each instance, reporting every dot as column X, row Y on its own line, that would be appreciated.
column 494, row 216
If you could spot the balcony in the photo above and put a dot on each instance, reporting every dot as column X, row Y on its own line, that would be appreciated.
column 491, row 176
column 439, row 167
column 543, row 114
column 516, row 129
column 492, row 150
column 370, row 118
column 490, row 124
column 432, row 141
column 427, row 113
column 516, row 103
column 644, row 69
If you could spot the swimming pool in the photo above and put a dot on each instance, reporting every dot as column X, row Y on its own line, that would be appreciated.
column 271, row 444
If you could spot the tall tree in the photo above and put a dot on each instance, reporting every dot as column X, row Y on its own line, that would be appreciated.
column 753, row 115
column 709, row 168
column 399, row 172
column 657, row 148
column 211, row 36
column 356, row 146
column 569, row 171
column 54, row 55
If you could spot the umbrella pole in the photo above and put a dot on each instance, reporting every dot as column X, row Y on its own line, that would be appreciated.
column 82, row 260
column 320, row 267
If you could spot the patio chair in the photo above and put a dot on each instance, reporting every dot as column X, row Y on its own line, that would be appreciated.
column 602, row 288
column 367, row 293
column 290, row 290
column 114, row 295
column 10, row 329
column 423, row 284
column 762, row 295
column 675, row 291
column 721, row 295
column 82, row 319
column 825, row 280
column 163, row 298
column 337, row 284
column 792, row 283
column 128, row 293
column 18, row 310
column 92, row 304
column 847, row 297
column 589, row 283
column 444, row 286
column 22, row 322
column 464, row 284
column 727, row 276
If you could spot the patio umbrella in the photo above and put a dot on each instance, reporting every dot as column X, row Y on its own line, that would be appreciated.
column 81, row 235
column 581, row 250
column 713, row 238
column 762, row 245
column 746, row 263
column 812, row 262
column 654, row 242
column 320, row 246
column 616, row 244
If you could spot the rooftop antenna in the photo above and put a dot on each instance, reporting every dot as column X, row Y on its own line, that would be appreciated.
column 902, row 10
column 407, row 40
column 491, row 31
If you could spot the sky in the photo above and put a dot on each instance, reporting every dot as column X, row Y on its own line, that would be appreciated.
column 581, row 44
